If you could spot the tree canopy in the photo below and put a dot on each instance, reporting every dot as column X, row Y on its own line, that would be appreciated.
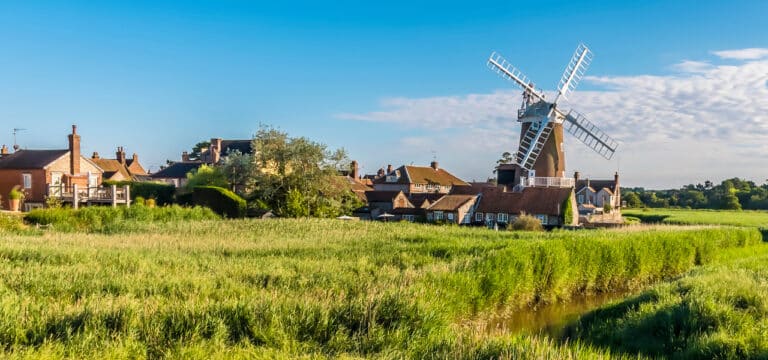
column 731, row 194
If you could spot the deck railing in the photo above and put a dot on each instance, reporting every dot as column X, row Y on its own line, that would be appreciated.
column 97, row 194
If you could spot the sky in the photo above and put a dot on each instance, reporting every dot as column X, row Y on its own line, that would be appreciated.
column 682, row 85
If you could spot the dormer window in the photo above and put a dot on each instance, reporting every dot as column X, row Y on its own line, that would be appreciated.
column 391, row 178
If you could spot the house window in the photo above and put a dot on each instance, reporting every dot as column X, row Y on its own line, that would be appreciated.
column 501, row 217
column 479, row 216
column 542, row 218
column 438, row 215
column 27, row 180
column 450, row 216
column 410, row 218
column 581, row 199
column 489, row 217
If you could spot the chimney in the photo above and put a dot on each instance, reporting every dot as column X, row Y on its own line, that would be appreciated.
column 576, row 176
column 95, row 155
column 215, row 150
column 120, row 155
column 389, row 168
column 433, row 165
column 135, row 158
column 74, row 151
column 616, row 177
column 4, row 150
column 355, row 170
column 184, row 156
column 381, row 172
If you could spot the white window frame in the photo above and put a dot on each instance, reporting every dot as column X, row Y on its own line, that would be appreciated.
column 410, row 218
column 502, row 217
column 490, row 217
column 26, row 180
column 449, row 216
column 479, row 216
column 542, row 219
column 438, row 215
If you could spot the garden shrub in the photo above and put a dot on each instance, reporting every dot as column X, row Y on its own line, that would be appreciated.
column 220, row 200
column 526, row 223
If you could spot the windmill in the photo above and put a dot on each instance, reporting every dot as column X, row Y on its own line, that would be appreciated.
column 540, row 152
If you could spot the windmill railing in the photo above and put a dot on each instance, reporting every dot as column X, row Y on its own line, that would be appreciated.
column 559, row 182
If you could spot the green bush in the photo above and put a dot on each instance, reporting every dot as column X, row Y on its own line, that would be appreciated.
column 162, row 193
column 526, row 223
column 220, row 200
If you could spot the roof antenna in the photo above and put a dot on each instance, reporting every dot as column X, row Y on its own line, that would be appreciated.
column 434, row 155
column 16, row 145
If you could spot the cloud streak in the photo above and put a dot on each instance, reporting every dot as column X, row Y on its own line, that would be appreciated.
column 700, row 118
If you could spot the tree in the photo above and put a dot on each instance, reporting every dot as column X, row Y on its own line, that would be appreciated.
column 295, row 176
column 506, row 158
column 237, row 168
column 205, row 176
column 198, row 150
column 633, row 200
column 568, row 211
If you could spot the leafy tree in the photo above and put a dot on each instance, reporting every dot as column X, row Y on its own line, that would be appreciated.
column 506, row 158
column 205, row 176
column 633, row 200
column 568, row 211
column 198, row 150
column 237, row 168
column 298, row 177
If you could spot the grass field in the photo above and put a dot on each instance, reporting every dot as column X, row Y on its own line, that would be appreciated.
column 700, row 217
column 318, row 288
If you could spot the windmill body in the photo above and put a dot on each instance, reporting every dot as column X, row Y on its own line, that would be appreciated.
column 540, row 158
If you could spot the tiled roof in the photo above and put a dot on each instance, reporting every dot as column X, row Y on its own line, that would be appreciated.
column 30, row 159
column 177, row 170
column 135, row 168
column 531, row 200
column 406, row 211
column 422, row 175
column 596, row 184
column 451, row 202
column 418, row 199
column 381, row 196
column 111, row 167
column 472, row 188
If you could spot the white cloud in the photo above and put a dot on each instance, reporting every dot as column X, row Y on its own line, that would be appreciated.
column 743, row 54
column 708, row 121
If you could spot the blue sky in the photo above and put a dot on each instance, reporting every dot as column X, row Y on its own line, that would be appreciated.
column 376, row 78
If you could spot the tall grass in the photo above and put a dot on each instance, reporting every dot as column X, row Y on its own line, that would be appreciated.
column 114, row 219
column 315, row 288
column 751, row 218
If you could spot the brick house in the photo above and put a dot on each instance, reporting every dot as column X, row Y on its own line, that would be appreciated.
column 417, row 179
column 500, row 207
column 220, row 149
column 593, row 195
column 120, row 168
column 43, row 173
column 456, row 209
column 176, row 173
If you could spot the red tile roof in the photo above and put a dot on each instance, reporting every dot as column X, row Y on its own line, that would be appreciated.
column 451, row 202
column 531, row 200
column 422, row 175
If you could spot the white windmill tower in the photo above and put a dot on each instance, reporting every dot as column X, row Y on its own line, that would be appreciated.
column 540, row 152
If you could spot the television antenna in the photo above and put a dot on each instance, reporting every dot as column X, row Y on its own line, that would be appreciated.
column 15, row 144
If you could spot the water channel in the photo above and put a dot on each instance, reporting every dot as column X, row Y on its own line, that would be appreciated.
column 552, row 319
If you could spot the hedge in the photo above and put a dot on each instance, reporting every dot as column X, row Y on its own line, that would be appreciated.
column 220, row 200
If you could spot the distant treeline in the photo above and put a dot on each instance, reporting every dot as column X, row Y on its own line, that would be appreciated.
column 731, row 194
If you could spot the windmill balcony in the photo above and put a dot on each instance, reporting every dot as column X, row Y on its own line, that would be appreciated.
column 560, row 182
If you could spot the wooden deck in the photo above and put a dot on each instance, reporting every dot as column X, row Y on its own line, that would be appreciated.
column 113, row 195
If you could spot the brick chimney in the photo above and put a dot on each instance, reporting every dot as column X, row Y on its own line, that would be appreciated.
column 576, row 176
column 616, row 178
column 184, row 156
column 95, row 155
column 355, row 170
column 434, row 165
column 215, row 150
column 74, row 151
column 135, row 158
column 4, row 150
column 120, row 155
column 389, row 168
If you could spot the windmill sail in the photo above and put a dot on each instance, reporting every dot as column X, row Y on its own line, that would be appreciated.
column 589, row 134
column 574, row 71
column 507, row 71
column 532, row 142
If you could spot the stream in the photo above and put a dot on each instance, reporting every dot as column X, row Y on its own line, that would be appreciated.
column 551, row 319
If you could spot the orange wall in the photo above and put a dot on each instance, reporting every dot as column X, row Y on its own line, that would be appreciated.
column 10, row 178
